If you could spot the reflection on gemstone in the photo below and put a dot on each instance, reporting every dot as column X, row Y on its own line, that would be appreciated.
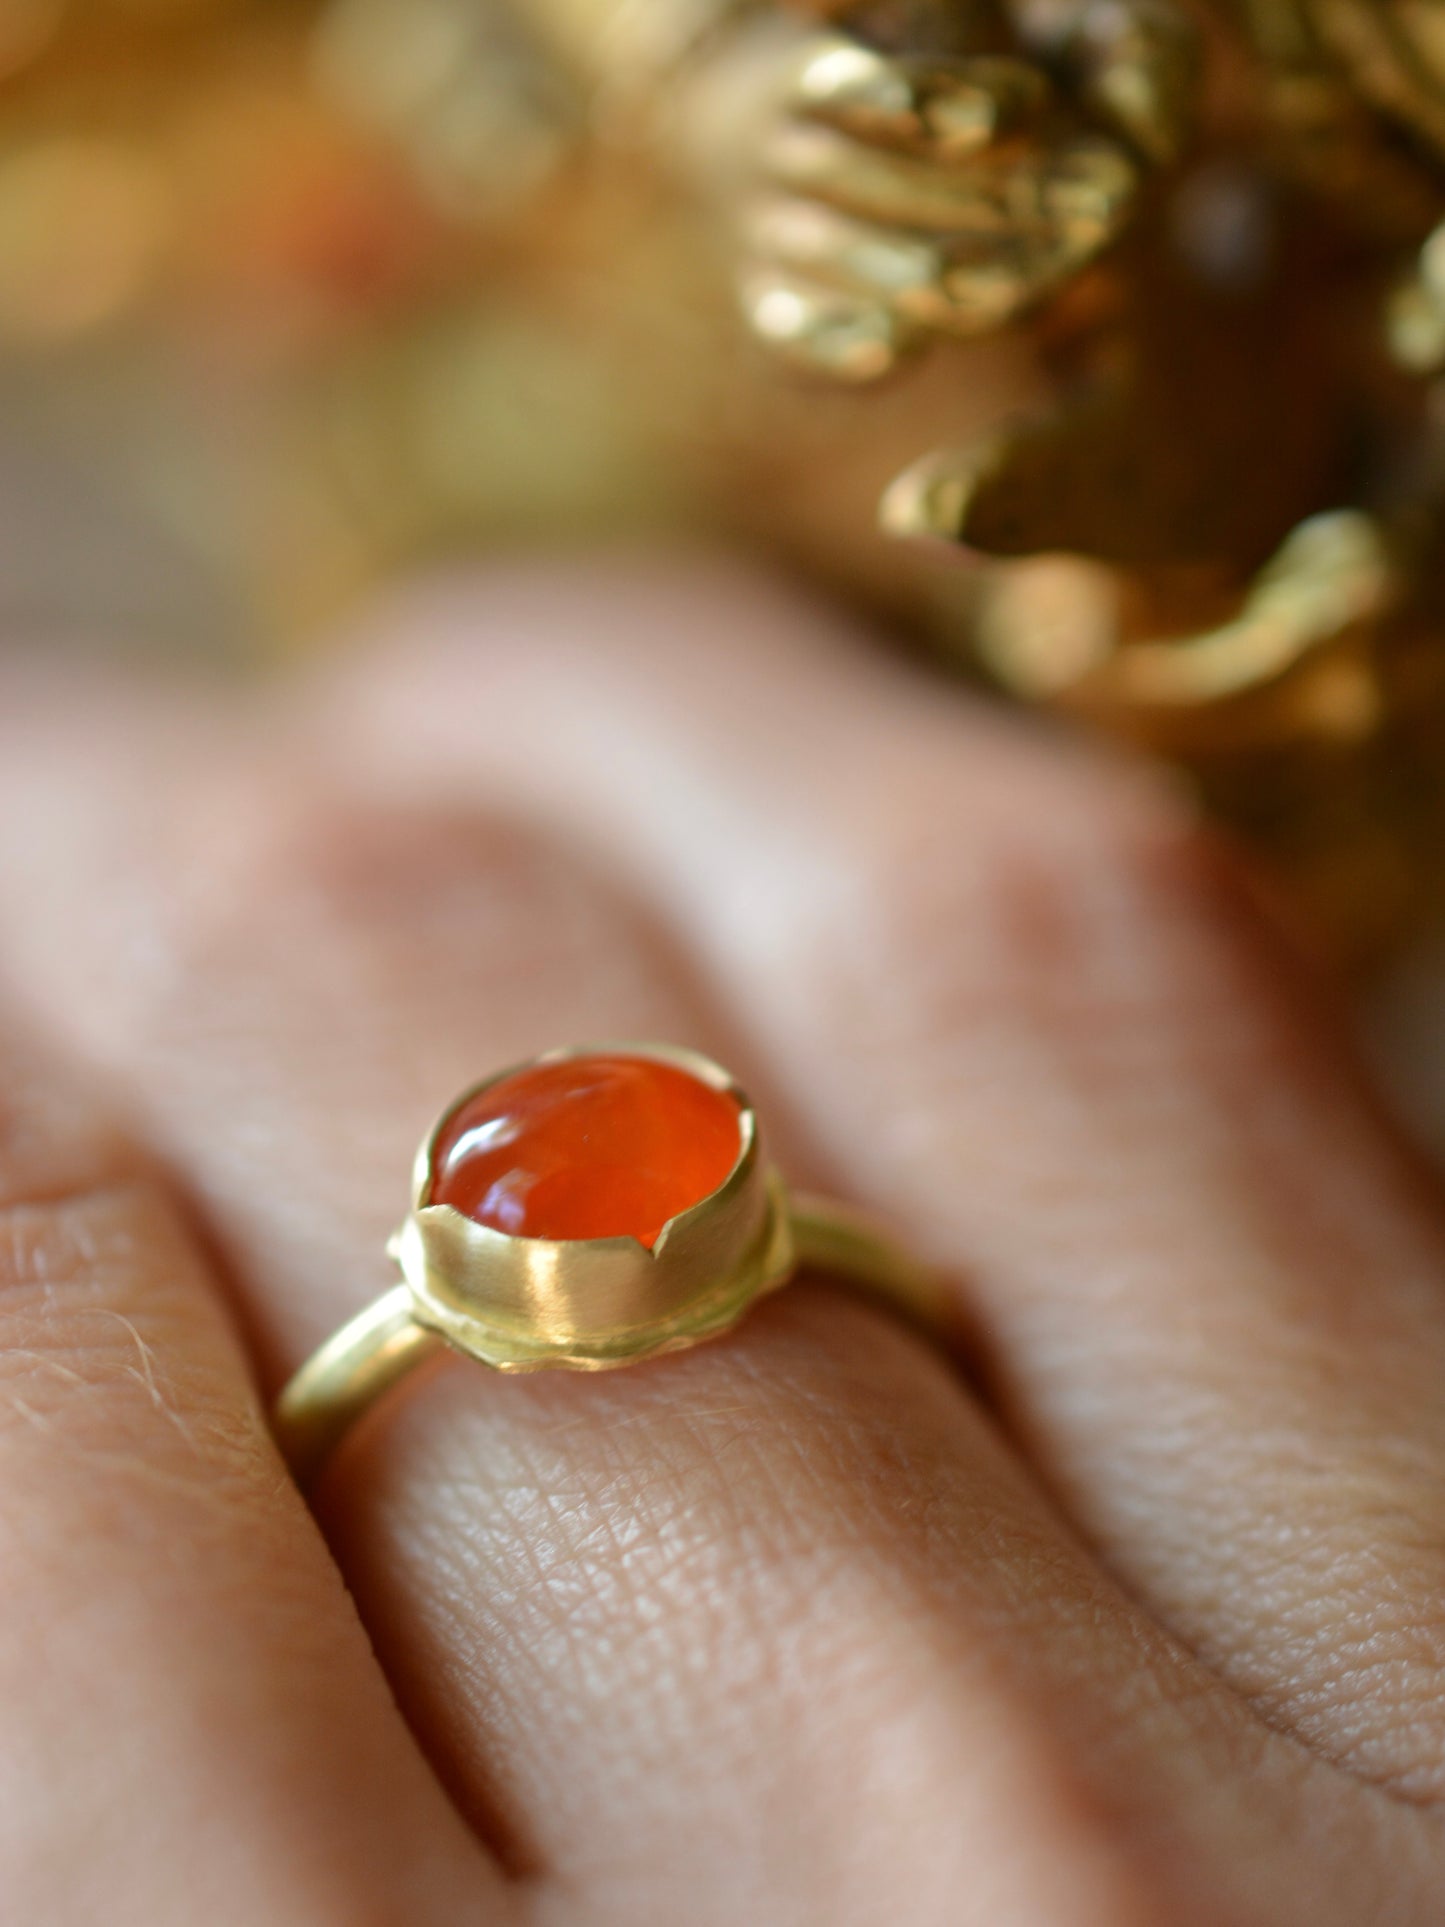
column 602, row 1146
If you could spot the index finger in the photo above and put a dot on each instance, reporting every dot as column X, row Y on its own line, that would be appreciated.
column 194, row 1726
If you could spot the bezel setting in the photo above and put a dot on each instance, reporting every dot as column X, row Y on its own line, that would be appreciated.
column 520, row 1304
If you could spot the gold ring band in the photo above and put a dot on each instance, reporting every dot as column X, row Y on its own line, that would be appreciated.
column 522, row 1302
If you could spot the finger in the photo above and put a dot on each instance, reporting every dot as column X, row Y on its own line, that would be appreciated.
column 1081, row 187
column 941, row 109
column 194, row 1726
column 819, row 276
column 708, row 1639
column 832, row 332
column 1005, row 230
column 779, row 1630
column 1022, row 1008
column 849, row 256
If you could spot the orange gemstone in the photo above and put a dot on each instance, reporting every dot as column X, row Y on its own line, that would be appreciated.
column 589, row 1147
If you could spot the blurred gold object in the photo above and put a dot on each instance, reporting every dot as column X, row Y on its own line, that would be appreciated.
column 1191, row 470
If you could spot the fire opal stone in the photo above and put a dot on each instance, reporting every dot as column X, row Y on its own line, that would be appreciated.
column 605, row 1146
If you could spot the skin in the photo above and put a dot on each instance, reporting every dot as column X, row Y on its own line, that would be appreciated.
column 1130, row 1617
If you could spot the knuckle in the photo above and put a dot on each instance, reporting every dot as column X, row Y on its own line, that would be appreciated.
column 379, row 895
column 305, row 851
column 1089, row 906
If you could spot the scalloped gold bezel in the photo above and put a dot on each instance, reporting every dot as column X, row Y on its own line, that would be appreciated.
column 519, row 1304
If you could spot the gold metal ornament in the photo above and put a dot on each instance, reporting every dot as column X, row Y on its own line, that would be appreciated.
column 1186, row 499
column 905, row 193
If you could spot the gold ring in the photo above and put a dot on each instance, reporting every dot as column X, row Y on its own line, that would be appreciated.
column 588, row 1209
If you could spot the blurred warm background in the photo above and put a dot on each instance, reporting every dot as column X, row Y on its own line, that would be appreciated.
column 275, row 314
column 299, row 295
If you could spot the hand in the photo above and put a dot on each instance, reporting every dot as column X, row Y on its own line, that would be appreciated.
column 946, row 185
column 1137, row 1622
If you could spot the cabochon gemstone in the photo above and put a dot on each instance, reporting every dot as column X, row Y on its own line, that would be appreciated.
column 604, row 1146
